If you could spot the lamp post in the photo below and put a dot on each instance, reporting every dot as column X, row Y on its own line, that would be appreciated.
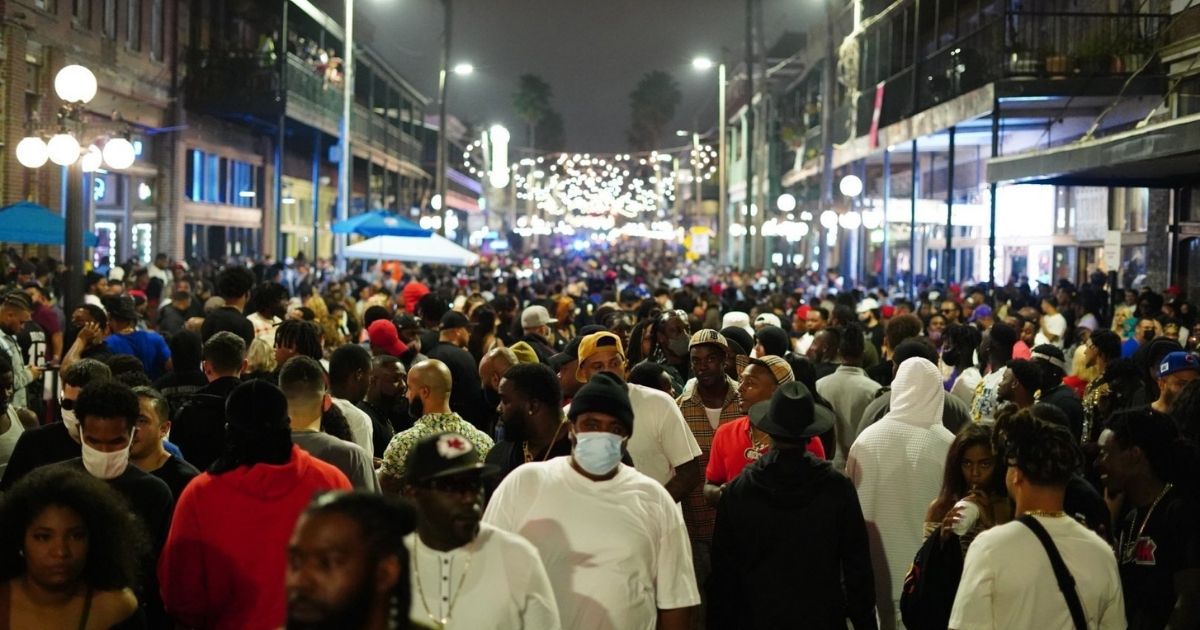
column 703, row 64
column 345, row 155
column 76, row 86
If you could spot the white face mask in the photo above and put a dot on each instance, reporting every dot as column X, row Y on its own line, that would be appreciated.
column 71, row 422
column 103, row 465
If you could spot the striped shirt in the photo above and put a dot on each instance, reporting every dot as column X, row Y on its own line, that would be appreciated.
column 697, row 514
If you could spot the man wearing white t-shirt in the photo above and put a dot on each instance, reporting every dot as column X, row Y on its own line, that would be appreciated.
column 465, row 574
column 1008, row 580
column 662, row 446
column 613, row 541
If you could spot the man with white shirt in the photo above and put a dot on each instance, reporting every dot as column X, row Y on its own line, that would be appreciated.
column 1008, row 579
column 662, row 447
column 613, row 541
column 997, row 350
column 467, row 574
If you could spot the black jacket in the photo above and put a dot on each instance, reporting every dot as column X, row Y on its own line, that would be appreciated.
column 1064, row 398
column 790, row 544
column 198, row 427
column 541, row 347
column 38, row 447
column 466, row 395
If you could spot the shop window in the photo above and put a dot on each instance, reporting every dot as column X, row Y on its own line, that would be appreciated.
column 143, row 242
column 215, row 179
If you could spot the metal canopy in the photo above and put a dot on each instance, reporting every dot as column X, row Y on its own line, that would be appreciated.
column 1157, row 156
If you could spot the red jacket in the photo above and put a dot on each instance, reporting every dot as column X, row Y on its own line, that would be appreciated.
column 225, row 559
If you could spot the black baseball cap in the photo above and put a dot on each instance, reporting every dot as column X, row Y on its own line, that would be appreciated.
column 569, row 354
column 444, row 455
column 455, row 319
column 407, row 322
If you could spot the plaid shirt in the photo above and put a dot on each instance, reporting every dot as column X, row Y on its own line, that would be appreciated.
column 699, row 517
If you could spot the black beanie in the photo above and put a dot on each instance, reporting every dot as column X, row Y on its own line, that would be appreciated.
column 774, row 340
column 606, row 393
column 743, row 338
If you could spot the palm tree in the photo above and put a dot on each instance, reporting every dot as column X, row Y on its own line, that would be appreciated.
column 531, row 101
column 653, row 103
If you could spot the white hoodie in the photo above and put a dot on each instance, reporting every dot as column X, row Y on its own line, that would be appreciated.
column 897, row 466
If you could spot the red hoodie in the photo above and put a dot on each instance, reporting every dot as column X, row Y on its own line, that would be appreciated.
column 225, row 559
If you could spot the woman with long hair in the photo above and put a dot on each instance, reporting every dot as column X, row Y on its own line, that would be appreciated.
column 69, row 553
column 972, row 473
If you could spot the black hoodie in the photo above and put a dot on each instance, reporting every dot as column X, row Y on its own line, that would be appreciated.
column 790, row 549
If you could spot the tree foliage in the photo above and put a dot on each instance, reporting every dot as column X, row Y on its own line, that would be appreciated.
column 532, row 103
column 653, row 103
column 550, row 133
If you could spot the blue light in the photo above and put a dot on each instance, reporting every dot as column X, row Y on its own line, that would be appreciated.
column 137, row 148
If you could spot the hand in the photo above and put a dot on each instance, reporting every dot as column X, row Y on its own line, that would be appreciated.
column 953, row 517
column 90, row 333
column 36, row 371
column 195, row 324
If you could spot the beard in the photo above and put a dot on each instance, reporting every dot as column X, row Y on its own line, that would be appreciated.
column 352, row 613
column 416, row 409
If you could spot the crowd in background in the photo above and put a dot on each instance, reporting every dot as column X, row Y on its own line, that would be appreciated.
column 612, row 440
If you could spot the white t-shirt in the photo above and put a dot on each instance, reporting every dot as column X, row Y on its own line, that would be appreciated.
column 616, row 551
column 661, row 439
column 505, row 585
column 1007, row 580
column 361, row 428
column 714, row 416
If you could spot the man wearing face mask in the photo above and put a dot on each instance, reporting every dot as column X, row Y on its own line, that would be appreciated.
column 467, row 574
column 429, row 388
column 58, row 441
column 589, row 505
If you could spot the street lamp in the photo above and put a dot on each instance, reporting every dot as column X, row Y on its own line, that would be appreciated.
column 464, row 69
column 851, row 186
column 786, row 202
column 75, row 86
column 703, row 64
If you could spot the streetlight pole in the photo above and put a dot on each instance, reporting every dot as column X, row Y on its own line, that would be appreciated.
column 443, row 91
column 828, row 85
column 723, row 188
column 345, row 158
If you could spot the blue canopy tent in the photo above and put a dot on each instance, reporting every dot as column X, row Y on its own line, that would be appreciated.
column 379, row 223
column 27, row 222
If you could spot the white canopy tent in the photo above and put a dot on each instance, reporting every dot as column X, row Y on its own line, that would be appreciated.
column 434, row 250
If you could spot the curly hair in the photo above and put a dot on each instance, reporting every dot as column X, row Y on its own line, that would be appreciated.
column 117, row 541
column 304, row 336
column 1045, row 453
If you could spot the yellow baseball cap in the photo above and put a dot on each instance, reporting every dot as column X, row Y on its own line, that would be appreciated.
column 595, row 342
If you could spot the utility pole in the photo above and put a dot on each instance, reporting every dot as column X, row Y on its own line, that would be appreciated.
column 748, row 134
column 443, row 90
column 346, row 157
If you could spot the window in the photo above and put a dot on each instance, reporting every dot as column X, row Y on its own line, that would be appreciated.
column 81, row 13
column 133, row 24
column 156, row 30
column 110, row 19
column 215, row 179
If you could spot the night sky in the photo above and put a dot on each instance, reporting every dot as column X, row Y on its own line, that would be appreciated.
column 592, row 52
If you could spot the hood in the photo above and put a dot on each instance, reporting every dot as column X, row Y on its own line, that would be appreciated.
column 788, row 478
column 917, row 394
column 269, row 482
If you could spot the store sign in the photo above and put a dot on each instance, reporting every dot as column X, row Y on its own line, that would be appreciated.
column 1112, row 250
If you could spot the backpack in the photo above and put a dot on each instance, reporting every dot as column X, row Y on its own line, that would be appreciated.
column 931, row 583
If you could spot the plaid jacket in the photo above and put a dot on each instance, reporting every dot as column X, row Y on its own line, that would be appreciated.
column 699, row 517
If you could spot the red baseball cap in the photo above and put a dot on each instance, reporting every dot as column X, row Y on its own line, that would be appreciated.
column 385, row 338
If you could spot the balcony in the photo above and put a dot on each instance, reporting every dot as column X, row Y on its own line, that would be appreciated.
column 1098, row 50
column 238, row 85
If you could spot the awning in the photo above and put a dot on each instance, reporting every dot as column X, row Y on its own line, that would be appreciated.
column 1162, row 155
column 435, row 250
column 379, row 223
column 27, row 222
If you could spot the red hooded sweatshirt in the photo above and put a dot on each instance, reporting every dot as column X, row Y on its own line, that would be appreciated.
column 225, row 559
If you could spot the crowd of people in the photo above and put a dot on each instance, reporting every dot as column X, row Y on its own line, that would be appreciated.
column 614, row 441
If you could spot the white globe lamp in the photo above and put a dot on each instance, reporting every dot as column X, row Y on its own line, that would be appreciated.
column 63, row 149
column 872, row 219
column 32, row 152
column 91, row 160
column 118, row 153
column 75, row 84
column 829, row 219
column 850, row 221
column 786, row 202
column 851, row 186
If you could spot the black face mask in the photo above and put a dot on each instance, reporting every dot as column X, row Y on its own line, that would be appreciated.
column 1148, row 335
column 491, row 398
column 416, row 409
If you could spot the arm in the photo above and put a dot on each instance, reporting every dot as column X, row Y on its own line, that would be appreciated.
column 687, row 477
column 675, row 619
column 28, row 419
column 89, row 333
column 712, row 493
column 56, row 341
column 858, row 576
column 1187, row 602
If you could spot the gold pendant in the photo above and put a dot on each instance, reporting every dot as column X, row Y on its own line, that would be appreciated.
column 752, row 455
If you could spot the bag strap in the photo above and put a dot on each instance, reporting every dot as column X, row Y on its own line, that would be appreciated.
column 1066, row 583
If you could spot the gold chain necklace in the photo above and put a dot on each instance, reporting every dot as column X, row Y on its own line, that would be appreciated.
column 1130, row 546
column 443, row 621
column 546, row 455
